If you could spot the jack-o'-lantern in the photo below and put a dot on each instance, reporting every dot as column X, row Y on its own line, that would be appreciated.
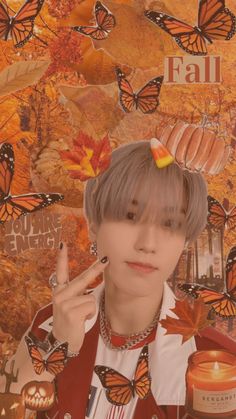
column 11, row 406
column 38, row 395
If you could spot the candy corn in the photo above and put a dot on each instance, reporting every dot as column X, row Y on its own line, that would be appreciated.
column 160, row 154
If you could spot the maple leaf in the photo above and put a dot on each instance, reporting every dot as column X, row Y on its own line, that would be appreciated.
column 191, row 320
column 88, row 158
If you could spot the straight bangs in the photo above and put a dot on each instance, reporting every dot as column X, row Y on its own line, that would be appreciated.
column 134, row 186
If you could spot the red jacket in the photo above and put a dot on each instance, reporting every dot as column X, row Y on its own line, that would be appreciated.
column 73, row 384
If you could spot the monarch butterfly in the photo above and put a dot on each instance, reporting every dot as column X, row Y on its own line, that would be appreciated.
column 215, row 21
column 19, row 27
column 119, row 389
column 147, row 99
column 223, row 303
column 218, row 217
column 105, row 23
column 54, row 363
column 13, row 206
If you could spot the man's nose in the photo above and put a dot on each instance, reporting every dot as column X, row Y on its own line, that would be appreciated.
column 147, row 238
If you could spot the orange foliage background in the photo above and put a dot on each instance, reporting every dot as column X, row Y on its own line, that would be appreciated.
column 42, row 120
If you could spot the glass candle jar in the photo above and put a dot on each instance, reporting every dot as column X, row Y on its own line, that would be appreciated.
column 211, row 385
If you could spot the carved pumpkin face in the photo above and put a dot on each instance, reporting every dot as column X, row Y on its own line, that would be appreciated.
column 11, row 406
column 38, row 395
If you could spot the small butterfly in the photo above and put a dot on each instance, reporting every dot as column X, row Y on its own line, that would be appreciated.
column 105, row 23
column 54, row 364
column 119, row 389
column 13, row 206
column 147, row 99
column 218, row 217
column 223, row 303
column 215, row 21
column 19, row 27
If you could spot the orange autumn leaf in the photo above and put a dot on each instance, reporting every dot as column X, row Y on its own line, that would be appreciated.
column 88, row 158
column 134, row 34
column 97, row 66
column 190, row 321
column 93, row 109
column 82, row 234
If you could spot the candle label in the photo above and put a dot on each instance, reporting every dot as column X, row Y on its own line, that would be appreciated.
column 214, row 401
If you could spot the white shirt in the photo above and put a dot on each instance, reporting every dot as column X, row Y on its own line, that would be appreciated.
column 168, row 360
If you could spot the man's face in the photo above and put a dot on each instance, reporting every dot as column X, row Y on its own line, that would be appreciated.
column 142, row 255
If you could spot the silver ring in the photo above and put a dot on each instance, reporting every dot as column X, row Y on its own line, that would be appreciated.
column 53, row 283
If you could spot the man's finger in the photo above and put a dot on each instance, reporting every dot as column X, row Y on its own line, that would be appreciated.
column 62, row 267
column 81, row 282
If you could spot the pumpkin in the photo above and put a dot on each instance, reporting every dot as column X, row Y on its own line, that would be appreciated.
column 196, row 148
column 38, row 395
column 11, row 406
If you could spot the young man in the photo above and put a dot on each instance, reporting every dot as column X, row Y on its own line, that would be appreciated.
column 140, row 219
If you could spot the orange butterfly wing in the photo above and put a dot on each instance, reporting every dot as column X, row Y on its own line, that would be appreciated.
column 36, row 357
column 18, row 205
column 23, row 22
column 56, row 361
column 105, row 23
column 218, row 217
column 142, row 379
column 147, row 99
column 231, row 219
column 118, row 388
column 9, row 212
column 215, row 20
column 13, row 206
column 207, row 294
column 105, row 20
column 225, row 308
column 4, row 22
column 188, row 38
column 231, row 273
column 220, row 302
column 223, row 303
column 148, row 96
column 6, row 169
column 216, row 213
column 91, row 31
column 127, row 98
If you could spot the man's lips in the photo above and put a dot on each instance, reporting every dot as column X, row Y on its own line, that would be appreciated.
column 141, row 267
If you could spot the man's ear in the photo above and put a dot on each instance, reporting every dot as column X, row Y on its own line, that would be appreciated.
column 92, row 232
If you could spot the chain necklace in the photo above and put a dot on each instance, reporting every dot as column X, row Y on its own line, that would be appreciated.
column 131, row 339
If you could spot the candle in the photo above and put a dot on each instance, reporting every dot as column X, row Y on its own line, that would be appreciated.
column 211, row 384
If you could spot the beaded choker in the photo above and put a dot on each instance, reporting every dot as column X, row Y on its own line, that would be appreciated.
column 131, row 340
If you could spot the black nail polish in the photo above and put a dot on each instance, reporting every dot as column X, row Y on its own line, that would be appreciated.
column 61, row 245
column 104, row 259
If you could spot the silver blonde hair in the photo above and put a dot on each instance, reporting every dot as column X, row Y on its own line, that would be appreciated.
column 159, row 194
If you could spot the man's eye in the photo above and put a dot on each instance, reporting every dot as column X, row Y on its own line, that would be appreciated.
column 176, row 224
column 130, row 215
column 168, row 223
